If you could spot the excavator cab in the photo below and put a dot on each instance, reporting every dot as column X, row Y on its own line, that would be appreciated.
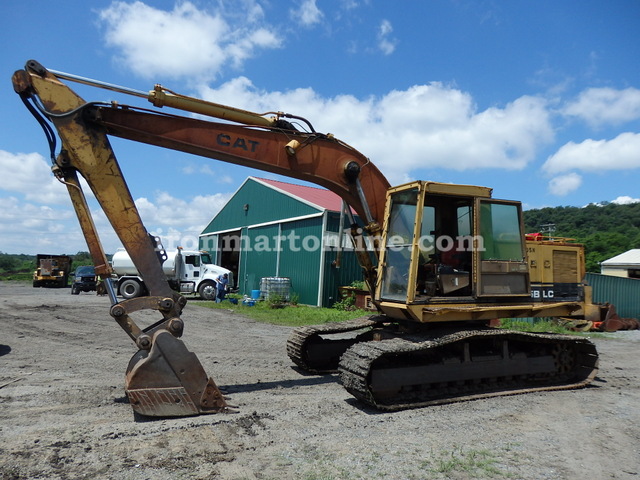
column 450, row 244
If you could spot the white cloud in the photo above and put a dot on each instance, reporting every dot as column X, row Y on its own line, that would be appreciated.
column 424, row 126
column 31, row 176
column 30, row 228
column 179, row 222
column 600, row 106
column 209, row 171
column 183, row 42
column 191, row 215
column 307, row 13
column 24, row 216
column 32, row 213
column 35, row 213
column 620, row 153
column 225, row 179
column 203, row 169
column 565, row 184
column 625, row 200
column 386, row 43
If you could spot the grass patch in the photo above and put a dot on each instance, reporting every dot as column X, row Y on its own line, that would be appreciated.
column 21, row 277
column 470, row 463
column 301, row 315
column 288, row 315
column 541, row 326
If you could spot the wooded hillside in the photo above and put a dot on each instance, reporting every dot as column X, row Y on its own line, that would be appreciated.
column 605, row 230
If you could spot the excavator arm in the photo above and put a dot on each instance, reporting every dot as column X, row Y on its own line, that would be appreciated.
column 164, row 378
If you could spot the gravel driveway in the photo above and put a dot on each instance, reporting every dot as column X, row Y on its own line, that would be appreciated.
column 63, row 413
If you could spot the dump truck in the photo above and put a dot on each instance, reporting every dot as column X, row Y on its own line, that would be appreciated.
column 187, row 271
column 52, row 271
column 441, row 261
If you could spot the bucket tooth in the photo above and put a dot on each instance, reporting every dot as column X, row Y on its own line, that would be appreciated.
column 169, row 381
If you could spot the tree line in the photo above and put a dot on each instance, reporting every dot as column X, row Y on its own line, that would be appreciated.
column 605, row 229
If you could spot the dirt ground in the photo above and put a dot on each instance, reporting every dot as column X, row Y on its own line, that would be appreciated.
column 64, row 415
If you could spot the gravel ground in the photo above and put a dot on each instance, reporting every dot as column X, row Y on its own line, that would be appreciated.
column 64, row 415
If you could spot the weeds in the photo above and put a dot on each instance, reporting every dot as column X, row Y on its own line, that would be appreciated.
column 348, row 301
column 289, row 315
column 275, row 300
column 540, row 326
column 470, row 463
column 347, row 304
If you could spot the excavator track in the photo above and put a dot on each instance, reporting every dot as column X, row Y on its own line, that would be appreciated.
column 311, row 351
column 415, row 371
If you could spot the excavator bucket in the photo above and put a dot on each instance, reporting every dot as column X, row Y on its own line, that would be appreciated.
column 169, row 381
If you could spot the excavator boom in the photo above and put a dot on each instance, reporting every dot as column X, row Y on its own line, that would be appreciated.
column 313, row 157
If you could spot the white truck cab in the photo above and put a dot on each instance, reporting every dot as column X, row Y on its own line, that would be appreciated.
column 187, row 271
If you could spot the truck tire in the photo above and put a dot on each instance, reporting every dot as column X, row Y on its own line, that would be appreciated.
column 130, row 289
column 207, row 290
column 74, row 290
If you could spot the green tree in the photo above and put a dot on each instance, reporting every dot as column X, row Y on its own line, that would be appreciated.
column 81, row 258
column 8, row 263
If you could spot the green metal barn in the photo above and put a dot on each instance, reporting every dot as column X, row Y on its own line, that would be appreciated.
column 271, row 229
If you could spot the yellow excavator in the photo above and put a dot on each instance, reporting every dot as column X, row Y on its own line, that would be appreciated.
column 441, row 261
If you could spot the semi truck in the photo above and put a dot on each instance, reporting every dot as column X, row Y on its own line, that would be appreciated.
column 187, row 271
column 52, row 271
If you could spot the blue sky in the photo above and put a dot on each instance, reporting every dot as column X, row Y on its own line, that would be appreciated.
column 538, row 100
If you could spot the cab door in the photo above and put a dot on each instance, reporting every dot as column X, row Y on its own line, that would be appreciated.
column 500, row 250
column 397, row 272
column 191, row 268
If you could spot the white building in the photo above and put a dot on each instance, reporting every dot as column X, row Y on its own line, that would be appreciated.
column 626, row 264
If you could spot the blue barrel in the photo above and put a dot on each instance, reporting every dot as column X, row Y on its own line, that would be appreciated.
column 255, row 294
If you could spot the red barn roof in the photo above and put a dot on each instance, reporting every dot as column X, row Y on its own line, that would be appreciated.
column 318, row 197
